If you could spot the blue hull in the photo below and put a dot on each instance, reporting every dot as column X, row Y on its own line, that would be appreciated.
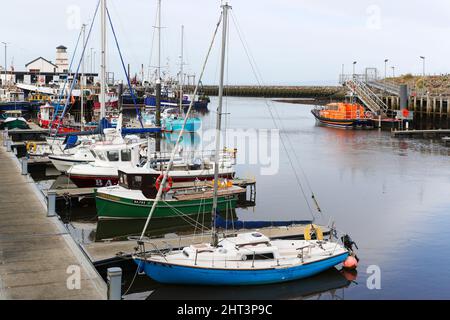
column 172, row 274
column 9, row 106
column 192, row 124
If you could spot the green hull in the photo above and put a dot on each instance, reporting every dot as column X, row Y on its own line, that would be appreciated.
column 117, row 207
column 15, row 124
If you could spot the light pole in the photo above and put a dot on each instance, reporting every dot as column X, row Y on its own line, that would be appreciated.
column 354, row 64
column 393, row 72
column 93, row 65
column 6, row 67
column 423, row 60
column 385, row 73
column 92, row 69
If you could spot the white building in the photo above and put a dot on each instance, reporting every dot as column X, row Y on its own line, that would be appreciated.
column 41, row 65
column 62, row 61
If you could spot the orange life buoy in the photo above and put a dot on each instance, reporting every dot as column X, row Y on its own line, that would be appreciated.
column 169, row 183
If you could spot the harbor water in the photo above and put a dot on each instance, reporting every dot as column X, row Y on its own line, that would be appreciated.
column 389, row 194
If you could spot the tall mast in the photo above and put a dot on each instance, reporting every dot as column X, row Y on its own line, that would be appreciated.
column 103, row 61
column 225, row 9
column 82, row 78
column 158, row 74
column 181, row 69
column 158, row 83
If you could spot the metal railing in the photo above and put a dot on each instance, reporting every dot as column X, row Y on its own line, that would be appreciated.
column 367, row 96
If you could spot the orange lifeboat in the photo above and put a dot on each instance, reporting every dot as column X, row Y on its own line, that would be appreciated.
column 344, row 115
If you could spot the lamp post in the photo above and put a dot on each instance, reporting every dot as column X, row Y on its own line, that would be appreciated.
column 354, row 64
column 393, row 72
column 6, row 67
column 91, row 64
column 385, row 73
column 423, row 61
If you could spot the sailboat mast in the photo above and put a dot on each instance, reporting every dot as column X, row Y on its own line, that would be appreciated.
column 159, row 41
column 103, row 61
column 82, row 84
column 181, row 69
column 158, row 82
column 218, row 121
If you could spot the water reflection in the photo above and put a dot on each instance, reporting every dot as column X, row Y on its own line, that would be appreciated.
column 327, row 285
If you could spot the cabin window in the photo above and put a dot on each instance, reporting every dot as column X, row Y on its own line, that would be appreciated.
column 93, row 153
column 259, row 256
column 123, row 180
column 125, row 155
column 113, row 155
column 101, row 155
column 136, row 182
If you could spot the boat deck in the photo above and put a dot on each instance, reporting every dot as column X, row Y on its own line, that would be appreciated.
column 35, row 250
column 102, row 252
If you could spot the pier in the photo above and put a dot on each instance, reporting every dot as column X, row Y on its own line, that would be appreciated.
column 38, row 254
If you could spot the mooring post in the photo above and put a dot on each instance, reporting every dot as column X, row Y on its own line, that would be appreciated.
column 8, row 145
column 5, row 136
column 51, row 203
column 24, row 166
column 114, row 277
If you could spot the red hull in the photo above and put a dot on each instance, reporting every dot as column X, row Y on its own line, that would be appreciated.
column 97, row 182
column 62, row 128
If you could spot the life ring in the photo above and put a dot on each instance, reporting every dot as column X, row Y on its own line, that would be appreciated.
column 169, row 183
column 316, row 229
column 368, row 114
column 31, row 145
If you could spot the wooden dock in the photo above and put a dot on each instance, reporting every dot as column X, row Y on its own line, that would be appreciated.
column 38, row 256
column 108, row 251
column 68, row 189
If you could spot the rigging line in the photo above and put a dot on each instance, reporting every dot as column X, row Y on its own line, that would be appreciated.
column 78, row 69
column 166, row 173
column 185, row 217
column 259, row 80
column 125, row 71
column 65, row 81
column 241, row 36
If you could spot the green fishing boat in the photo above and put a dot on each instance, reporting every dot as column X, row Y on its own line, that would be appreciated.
column 133, row 198
column 13, row 120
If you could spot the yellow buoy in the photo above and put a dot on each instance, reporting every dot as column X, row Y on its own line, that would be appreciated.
column 312, row 229
column 31, row 146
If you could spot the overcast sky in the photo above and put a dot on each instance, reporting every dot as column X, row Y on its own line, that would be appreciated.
column 292, row 41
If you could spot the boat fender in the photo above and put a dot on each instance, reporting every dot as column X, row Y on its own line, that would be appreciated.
column 311, row 231
column 350, row 263
column 31, row 146
column 168, row 185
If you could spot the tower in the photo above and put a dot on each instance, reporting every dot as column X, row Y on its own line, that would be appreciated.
column 62, row 62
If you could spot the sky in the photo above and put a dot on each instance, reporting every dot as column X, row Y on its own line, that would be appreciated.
column 293, row 42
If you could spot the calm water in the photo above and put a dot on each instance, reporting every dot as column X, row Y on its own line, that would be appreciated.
column 391, row 195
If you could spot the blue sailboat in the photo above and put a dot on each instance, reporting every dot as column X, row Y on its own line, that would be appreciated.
column 248, row 258
column 172, row 121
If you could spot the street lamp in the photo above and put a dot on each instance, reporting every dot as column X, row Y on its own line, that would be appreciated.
column 91, row 60
column 354, row 64
column 393, row 72
column 423, row 59
column 385, row 73
column 6, row 67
